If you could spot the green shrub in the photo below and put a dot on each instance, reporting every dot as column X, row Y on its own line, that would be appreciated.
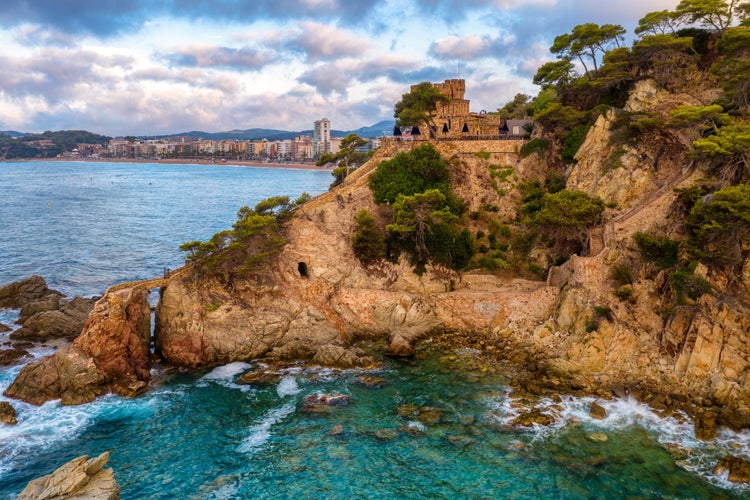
column 625, row 292
column 657, row 249
column 622, row 274
column 573, row 141
column 483, row 155
column 554, row 182
column 213, row 306
column 537, row 146
column 368, row 241
column 254, row 239
column 410, row 173
column 685, row 282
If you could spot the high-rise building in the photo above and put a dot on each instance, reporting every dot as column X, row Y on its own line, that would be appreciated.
column 322, row 137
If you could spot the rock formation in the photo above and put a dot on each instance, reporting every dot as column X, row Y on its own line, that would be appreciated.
column 44, row 313
column 112, row 353
column 80, row 478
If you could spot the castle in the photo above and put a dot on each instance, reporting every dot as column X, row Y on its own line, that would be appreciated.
column 453, row 120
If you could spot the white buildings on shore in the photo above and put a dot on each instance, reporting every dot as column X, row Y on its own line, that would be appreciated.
column 300, row 149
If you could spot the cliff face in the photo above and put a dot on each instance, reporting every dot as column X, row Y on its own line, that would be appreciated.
column 318, row 299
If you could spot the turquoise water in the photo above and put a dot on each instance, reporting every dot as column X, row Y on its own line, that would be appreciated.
column 200, row 435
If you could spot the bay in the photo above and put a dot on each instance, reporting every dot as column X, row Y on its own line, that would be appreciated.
column 428, row 432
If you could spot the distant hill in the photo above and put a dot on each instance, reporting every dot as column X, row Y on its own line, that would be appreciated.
column 377, row 130
column 13, row 133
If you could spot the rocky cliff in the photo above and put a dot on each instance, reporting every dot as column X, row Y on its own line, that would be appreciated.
column 575, row 331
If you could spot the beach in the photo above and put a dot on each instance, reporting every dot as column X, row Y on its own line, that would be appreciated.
column 184, row 161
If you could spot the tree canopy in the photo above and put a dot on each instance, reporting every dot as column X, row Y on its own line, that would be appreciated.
column 419, row 105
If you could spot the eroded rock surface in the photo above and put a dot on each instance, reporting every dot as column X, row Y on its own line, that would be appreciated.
column 80, row 478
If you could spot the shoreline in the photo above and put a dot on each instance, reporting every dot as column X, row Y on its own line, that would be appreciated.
column 181, row 161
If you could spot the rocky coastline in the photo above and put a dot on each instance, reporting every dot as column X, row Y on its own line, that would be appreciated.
column 317, row 303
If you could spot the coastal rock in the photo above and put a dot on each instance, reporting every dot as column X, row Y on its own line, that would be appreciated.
column 19, row 293
column 80, row 478
column 112, row 352
column 736, row 468
column 531, row 417
column 69, row 374
column 372, row 382
column 341, row 357
column 597, row 411
column 64, row 320
column 705, row 426
column 4, row 328
column 11, row 356
column 258, row 377
column 7, row 413
column 400, row 348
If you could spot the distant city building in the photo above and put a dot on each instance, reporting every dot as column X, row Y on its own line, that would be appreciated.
column 322, row 137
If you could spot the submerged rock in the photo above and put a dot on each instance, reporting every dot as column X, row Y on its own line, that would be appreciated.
column 373, row 382
column 80, row 478
column 7, row 413
column 597, row 437
column 738, row 469
column 324, row 403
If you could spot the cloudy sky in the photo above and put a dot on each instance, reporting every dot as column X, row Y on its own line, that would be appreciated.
column 142, row 67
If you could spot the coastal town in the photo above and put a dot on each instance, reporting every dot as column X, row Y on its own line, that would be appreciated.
column 301, row 149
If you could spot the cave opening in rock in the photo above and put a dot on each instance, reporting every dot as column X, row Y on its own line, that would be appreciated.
column 302, row 268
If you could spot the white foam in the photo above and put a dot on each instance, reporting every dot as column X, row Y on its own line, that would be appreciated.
column 622, row 413
column 260, row 433
column 287, row 387
column 225, row 375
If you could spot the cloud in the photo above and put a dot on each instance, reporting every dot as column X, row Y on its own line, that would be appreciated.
column 319, row 42
column 207, row 56
column 468, row 48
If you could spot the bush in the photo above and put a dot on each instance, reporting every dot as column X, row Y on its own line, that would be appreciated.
column 410, row 173
column 625, row 292
column 622, row 274
column 368, row 241
column 573, row 141
column 537, row 146
column 254, row 239
column 657, row 249
column 685, row 283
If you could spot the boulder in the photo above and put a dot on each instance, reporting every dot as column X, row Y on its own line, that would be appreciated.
column 705, row 425
column 400, row 348
column 4, row 328
column 258, row 377
column 532, row 417
column 738, row 469
column 7, row 413
column 80, row 478
column 19, row 293
column 69, row 374
column 597, row 411
column 10, row 356
column 53, row 317
column 336, row 356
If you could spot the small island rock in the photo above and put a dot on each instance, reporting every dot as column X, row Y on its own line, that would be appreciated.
column 80, row 478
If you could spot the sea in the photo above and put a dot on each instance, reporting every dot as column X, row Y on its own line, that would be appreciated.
column 435, row 427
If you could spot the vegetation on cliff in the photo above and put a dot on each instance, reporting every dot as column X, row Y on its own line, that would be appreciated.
column 256, row 237
column 414, row 188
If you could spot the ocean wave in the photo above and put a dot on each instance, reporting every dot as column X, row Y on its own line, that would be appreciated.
column 260, row 433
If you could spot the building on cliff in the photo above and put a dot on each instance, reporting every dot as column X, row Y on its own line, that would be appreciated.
column 454, row 120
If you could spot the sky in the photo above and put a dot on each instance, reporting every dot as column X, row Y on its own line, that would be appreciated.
column 150, row 67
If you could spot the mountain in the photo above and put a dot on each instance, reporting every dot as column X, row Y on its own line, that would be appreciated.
column 377, row 130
